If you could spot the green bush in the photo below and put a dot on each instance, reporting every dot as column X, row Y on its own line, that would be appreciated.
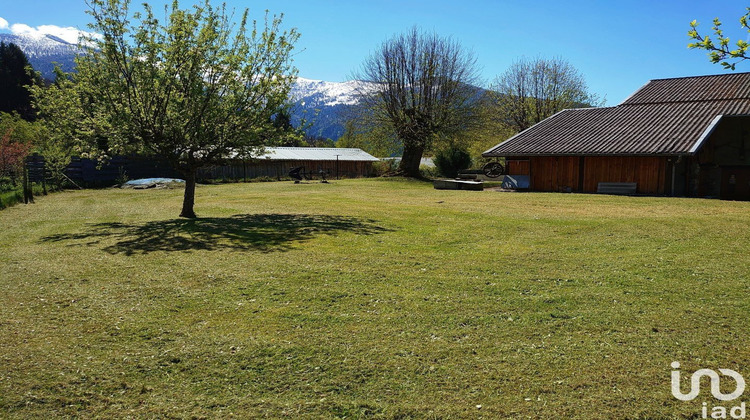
column 6, row 184
column 384, row 167
column 428, row 171
column 56, row 160
column 451, row 160
column 10, row 197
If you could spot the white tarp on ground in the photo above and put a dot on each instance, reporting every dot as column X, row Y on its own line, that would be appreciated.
column 150, row 182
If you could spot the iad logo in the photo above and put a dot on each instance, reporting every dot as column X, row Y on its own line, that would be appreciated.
column 717, row 412
column 695, row 384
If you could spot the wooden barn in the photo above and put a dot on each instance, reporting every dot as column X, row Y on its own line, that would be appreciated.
column 276, row 163
column 678, row 137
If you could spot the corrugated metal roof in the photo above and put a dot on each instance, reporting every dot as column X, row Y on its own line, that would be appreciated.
column 691, row 89
column 317, row 153
column 664, row 117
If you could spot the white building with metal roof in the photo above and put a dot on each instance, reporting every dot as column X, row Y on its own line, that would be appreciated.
column 317, row 154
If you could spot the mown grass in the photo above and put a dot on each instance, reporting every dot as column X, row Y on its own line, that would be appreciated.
column 367, row 298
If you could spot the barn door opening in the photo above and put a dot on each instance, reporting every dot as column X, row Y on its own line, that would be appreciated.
column 735, row 183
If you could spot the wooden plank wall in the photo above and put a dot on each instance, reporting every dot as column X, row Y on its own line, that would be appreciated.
column 87, row 173
column 556, row 174
column 280, row 169
column 518, row 167
column 650, row 173
column 562, row 173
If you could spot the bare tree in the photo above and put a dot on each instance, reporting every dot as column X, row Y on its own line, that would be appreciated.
column 420, row 86
column 532, row 90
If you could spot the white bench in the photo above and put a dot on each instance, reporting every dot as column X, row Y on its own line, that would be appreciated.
column 454, row 184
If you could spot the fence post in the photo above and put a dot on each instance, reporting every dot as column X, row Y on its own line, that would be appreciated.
column 28, row 195
column 44, row 179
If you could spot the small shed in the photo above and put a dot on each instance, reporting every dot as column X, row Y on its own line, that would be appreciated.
column 683, row 136
column 276, row 162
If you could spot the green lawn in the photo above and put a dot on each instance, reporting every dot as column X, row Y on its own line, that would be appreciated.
column 367, row 298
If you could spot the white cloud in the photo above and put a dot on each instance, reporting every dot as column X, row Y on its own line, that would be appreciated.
column 21, row 29
column 67, row 34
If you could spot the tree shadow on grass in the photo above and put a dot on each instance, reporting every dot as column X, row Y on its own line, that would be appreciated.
column 244, row 232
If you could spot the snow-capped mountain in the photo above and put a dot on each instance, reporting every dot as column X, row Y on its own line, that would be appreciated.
column 320, row 92
column 323, row 105
column 44, row 51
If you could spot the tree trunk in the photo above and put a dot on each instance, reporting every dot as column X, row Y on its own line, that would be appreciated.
column 188, row 200
column 410, row 161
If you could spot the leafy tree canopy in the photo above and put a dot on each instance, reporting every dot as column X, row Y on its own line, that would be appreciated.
column 719, row 49
column 194, row 89
column 374, row 139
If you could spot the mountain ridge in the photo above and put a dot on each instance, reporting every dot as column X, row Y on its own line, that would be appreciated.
column 322, row 105
column 43, row 52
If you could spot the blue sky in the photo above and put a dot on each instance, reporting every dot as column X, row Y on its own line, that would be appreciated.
column 617, row 45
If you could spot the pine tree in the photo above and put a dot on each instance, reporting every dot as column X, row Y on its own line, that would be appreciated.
column 14, row 77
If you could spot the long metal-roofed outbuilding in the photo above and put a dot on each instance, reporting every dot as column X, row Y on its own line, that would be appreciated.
column 684, row 137
column 317, row 154
column 276, row 162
